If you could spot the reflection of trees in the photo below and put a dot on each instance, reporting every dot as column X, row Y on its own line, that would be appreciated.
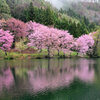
column 6, row 78
column 13, row 73
column 52, row 73
column 97, row 72
column 85, row 70
column 61, row 74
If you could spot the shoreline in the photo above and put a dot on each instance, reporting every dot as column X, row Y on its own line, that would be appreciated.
column 42, row 55
column 28, row 57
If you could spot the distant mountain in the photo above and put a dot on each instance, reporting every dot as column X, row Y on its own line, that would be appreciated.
column 18, row 6
column 38, row 3
column 88, row 9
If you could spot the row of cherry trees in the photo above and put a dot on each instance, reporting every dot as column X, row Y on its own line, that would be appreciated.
column 54, row 39
column 42, row 37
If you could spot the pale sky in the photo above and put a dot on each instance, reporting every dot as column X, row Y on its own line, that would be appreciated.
column 56, row 3
column 59, row 3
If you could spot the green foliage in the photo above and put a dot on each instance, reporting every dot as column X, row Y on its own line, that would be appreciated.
column 5, row 16
column 41, row 55
column 60, row 20
column 96, row 36
column 4, row 10
column 21, row 45
column 43, row 16
column 2, row 53
column 49, row 17
column 31, row 12
column 76, row 29
column 83, row 20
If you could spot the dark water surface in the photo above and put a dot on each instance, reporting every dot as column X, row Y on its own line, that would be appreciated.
column 55, row 79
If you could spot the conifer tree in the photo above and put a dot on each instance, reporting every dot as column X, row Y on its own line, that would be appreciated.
column 4, row 10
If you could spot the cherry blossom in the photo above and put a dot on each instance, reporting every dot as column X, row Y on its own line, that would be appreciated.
column 6, row 40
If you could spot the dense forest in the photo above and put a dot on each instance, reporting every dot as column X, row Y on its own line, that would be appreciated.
column 87, row 9
column 43, row 12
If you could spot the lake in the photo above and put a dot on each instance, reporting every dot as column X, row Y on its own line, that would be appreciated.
column 53, row 79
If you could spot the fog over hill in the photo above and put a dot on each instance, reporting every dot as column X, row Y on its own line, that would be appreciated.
column 88, row 8
column 59, row 3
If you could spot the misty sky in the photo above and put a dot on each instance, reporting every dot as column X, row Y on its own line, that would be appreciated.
column 56, row 3
column 59, row 3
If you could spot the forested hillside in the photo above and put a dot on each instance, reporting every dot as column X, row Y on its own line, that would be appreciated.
column 43, row 12
column 88, row 9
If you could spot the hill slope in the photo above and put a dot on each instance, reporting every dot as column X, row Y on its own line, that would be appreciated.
column 43, row 12
column 89, row 10
column 18, row 6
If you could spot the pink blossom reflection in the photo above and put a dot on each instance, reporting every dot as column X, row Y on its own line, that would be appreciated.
column 42, row 79
column 84, row 72
column 48, row 80
column 6, row 79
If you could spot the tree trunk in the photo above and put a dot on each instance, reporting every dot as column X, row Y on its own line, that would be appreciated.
column 5, row 53
column 13, row 45
column 70, row 54
column 48, row 64
column 64, row 55
column 40, row 51
column 48, row 52
column 13, row 73
column 58, row 52
column 77, row 53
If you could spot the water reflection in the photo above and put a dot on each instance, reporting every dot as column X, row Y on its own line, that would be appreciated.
column 6, row 78
column 85, row 70
column 41, row 75
column 58, row 76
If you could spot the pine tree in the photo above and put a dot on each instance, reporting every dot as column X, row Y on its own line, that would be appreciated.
column 49, row 17
column 4, row 10
column 31, row 12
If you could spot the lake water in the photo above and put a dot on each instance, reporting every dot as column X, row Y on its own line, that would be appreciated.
column 55, row 79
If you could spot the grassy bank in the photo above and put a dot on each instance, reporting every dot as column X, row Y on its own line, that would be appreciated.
column 43, row 54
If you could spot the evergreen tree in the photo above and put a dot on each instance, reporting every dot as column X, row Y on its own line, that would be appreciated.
column 40, row 16
column 72, row 28
column 62, row 24
column 83, row 29
column 31, row 12
column 92, row 27
column 4, row 10
column 86, row 21
column 49, row 17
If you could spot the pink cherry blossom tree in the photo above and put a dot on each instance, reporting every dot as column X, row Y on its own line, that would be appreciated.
column 65, row 41
column 32, row 26
column 6, row 40
column 49, row 38
column 42, row 37
column 83, row 44
column 18, row 29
